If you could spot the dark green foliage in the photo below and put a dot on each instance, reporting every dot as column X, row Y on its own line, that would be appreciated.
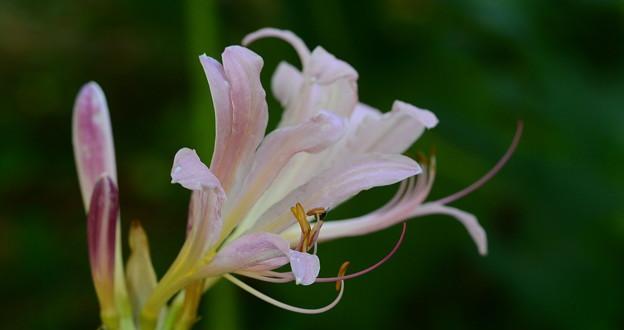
column 554, row 215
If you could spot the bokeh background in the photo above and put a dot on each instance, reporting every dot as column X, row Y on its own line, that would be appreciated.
column 554, row 215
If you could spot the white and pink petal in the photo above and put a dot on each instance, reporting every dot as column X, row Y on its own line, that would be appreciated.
column 337, row 184
column 258, row 252
column 241, row 111
column 191, row 173
column 382, row 219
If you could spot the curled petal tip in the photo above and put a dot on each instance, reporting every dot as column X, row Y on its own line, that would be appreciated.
column 426, row 117
column 189, row 171
column 242, row 54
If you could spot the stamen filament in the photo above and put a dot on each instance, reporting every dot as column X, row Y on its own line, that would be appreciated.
column 491, row 173
column 280, row 304
column 369, row 269
column 266, row 278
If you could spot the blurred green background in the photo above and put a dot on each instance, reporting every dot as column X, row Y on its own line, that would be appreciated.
column 554, row 215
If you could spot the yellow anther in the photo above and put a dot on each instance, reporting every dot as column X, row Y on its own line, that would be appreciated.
column 341, row 272
column 300, row 215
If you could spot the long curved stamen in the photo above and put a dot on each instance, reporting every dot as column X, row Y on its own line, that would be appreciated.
column 260, row 277
column 491, row 173
column 282, row 305
column 371, row 268
column 405, row 188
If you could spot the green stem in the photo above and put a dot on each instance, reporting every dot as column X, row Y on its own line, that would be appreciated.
column 222, row 307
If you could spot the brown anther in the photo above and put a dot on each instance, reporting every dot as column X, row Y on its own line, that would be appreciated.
column 316, row 211
column 341, row 272
column 309, row 235
column 300, row 215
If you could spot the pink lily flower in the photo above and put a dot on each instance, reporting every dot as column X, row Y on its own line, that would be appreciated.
column 246, row 214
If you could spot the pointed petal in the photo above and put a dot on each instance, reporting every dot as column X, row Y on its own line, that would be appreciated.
column 338, row 184
column 189, row 171
column 140, row 274
column 102, row 232
column 325, row 68
column 305, row 267
column 92, row 139
column 296, row 42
